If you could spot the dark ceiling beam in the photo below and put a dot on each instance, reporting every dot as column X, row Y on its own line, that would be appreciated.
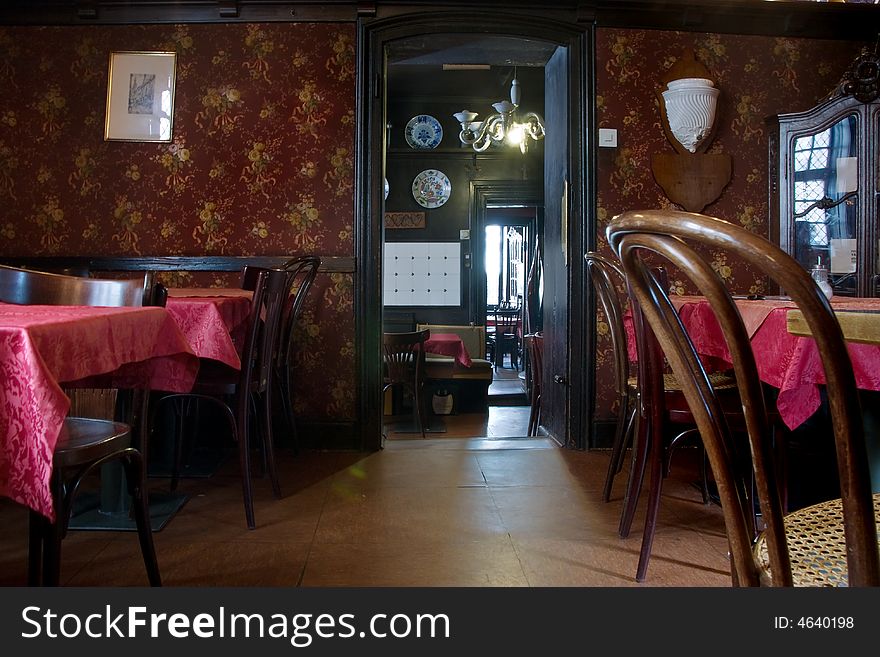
column 117, row 12
column 833, row 20
column 784, row 18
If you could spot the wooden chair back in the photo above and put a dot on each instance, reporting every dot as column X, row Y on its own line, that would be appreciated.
column 673, row 235
column 32, row 287
column 303, row 271
column 404, row 362
column 271, row 289
column 606, row 277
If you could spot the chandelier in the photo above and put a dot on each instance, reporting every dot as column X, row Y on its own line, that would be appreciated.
column 503, row 126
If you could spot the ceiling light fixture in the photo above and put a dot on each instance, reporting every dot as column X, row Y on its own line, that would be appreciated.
column 503, row 126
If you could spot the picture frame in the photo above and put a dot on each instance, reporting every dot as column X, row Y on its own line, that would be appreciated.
column 140, row 96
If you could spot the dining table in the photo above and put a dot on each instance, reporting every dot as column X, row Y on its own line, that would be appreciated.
column 788, row 362
column 786, row 355
column 45, row 347
column 449, row 344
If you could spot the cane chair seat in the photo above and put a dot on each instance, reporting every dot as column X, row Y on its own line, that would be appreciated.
column 813, row 562
column 719, row 381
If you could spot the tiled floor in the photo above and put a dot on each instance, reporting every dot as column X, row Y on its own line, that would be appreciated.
column 443, row 511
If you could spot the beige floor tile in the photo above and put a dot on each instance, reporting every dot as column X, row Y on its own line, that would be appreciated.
column 502, row 510
column 486, row 562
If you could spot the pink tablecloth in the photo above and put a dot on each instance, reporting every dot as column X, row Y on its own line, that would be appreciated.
column 212, row 319
column 44, row 346
column 785, row 361
column 448, row 344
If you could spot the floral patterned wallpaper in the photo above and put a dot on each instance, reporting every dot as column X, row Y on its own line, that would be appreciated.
column 263, row 153
column 758, row 77
column 261, row 162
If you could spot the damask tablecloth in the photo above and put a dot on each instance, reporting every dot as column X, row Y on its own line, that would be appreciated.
column 44, row 346
column 448, row 344
column 788, row 362
column 212, row 319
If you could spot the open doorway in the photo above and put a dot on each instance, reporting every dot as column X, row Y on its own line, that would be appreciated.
column 509, row 256
column 436, row 251
column 428, row 39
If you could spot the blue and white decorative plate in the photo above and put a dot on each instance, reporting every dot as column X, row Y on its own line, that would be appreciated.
column 423, row 131
column 431, row 188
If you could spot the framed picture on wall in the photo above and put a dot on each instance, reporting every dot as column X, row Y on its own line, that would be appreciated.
column 140, row 96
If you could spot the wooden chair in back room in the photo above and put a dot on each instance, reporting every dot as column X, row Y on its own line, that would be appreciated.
column 504, row 340
column 787, row 552
column 534, row 347
column 404, row 368
column 84, row 443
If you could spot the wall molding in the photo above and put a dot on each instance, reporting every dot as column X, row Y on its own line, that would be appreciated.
column 329, row 264
column 833, row 20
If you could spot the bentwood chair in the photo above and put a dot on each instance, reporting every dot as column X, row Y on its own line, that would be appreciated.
column 606, row 276
column 534, row 345
column 243, row 396
column 504, row 340
column 831, row 543
column 303, row 271
column 404, row 365
column 644, row 420
column 84, row 444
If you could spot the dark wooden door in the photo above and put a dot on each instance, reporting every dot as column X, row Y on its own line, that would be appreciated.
column 555, row 397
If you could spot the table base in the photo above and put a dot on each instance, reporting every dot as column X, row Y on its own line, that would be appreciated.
column 87, row 514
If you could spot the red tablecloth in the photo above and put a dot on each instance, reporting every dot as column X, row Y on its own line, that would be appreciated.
column 44, row 346
column 448, row 344
column 212, row 319
column 788, row 362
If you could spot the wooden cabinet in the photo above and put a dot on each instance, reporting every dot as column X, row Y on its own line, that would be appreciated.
column 825, row 178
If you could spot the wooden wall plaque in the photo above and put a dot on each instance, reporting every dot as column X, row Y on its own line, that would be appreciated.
column 400, row 220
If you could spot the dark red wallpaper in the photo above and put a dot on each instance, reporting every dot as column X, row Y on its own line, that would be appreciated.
column 261, row 162
column 262, row 157
column 757, row 76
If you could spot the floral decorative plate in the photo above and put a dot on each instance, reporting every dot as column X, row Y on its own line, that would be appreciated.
column 431, row 188
column 423, row 131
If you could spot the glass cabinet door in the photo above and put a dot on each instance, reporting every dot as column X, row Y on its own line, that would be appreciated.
column 825, row 202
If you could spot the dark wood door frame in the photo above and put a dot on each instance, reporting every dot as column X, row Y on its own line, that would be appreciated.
column 373, row 36
column 484, row 193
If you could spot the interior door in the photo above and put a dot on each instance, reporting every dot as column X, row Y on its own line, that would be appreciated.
column 555, row 397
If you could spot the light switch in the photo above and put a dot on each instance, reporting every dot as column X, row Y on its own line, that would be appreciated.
column 464, row 234
column 607, row 138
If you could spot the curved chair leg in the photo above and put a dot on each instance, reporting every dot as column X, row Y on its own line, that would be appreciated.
column 641, row 442
column 661, row 457
column 269, row 444
column 418, row 404
column 625, row 419
column 287, row 403
column 133, row 463
column 533, row 413
column 653, row 508
column 242, row 436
